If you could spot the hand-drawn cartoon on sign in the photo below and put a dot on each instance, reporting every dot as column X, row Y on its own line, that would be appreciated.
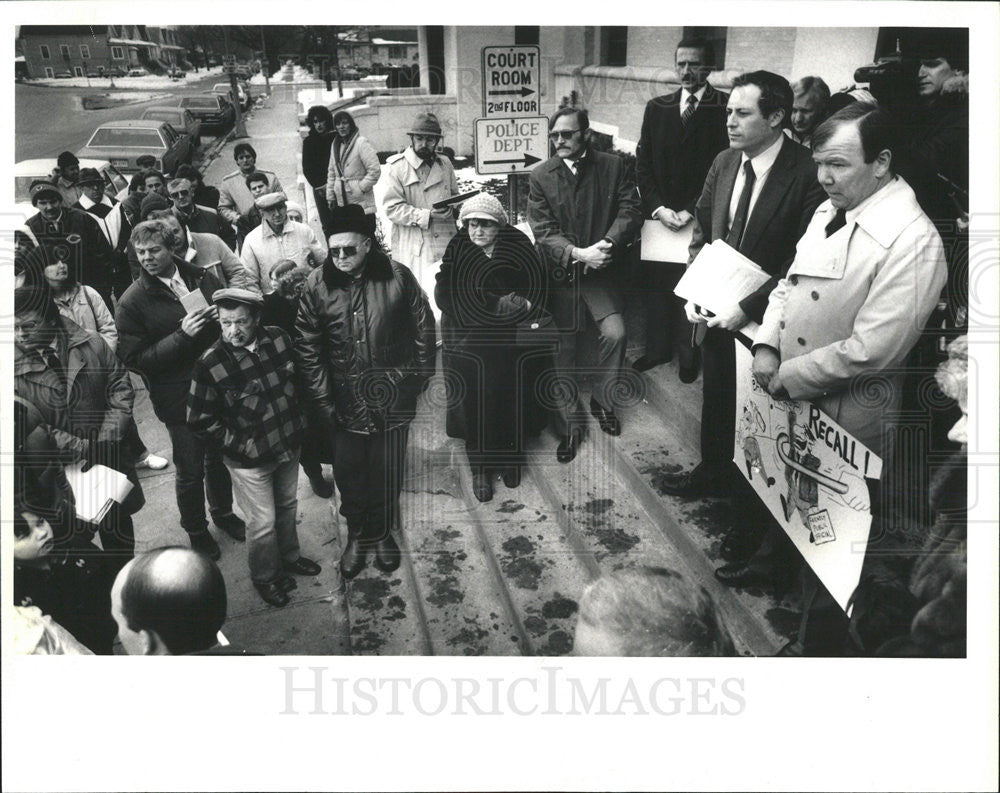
column 824, row 505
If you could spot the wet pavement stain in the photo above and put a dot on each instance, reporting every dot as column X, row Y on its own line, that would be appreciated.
column 444, row 535
column 398, row 608
column 536, row 626
column 522, row 571
column 518, row 546
column 470, row 636
column 658, row 474
column 715, row 518
column 599, row 506
column 510, row 505
column 615, row 540
column 370, row 593
column 559, row 607
column 784, row 621
column 559, row 643
column 367, row 642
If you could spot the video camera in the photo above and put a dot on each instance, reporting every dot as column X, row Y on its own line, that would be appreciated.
column 892, row 80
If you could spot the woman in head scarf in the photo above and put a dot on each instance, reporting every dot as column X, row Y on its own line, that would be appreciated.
column 354, row 169
column 490, row 283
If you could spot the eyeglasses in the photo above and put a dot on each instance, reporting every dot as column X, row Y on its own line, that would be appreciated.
column 346, row 252
column 180, row 193
column 563, row 134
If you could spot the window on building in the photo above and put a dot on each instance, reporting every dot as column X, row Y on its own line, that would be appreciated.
column 85, row 52
column 49, row 72
column 78, row 71
column 396, row 51
column 526, row 34
column 117, row 54
column 44, row 52
column 64, row 49
column 714, row 36
column 614, row 45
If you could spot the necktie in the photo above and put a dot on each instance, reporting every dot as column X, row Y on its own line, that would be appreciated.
column 178, row 286
column 692, row 103
column 735, row 236
column 838, row 222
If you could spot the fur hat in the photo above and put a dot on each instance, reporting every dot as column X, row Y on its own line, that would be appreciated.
column 483, row 206
column 349, row 218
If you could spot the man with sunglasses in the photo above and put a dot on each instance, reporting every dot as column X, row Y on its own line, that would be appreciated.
column 365, row 349
column 202, row 220
column 584, row 212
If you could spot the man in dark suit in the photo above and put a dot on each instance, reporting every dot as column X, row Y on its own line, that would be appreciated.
column 681, row 134
column 759, row 197
column 584, row 212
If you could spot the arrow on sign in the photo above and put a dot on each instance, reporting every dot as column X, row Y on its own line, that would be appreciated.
column 526, row 160
column 513, row 92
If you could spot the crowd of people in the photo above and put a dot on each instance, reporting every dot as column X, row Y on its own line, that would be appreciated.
column 264, row 349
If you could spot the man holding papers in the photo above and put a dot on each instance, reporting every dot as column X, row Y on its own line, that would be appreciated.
column 165, row 322
column 838, row 328
column 758, row 198
column 681, row 134
column 84, row 395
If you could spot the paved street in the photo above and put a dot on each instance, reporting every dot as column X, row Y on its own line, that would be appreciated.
column 51, row 119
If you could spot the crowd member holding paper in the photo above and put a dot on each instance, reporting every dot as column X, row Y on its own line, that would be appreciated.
column 758, row 198
column 583, row 209
column 165, row 322
column 85, row 398
column 867, row 274
column 681, row 134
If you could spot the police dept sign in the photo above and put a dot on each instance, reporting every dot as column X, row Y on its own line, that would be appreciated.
column 511, row 77
column 510, row 145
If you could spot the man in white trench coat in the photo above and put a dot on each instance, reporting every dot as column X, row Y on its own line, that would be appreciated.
column 838, row 328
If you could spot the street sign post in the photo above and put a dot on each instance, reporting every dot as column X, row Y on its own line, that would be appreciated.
column 511, row 81
column 510, row 145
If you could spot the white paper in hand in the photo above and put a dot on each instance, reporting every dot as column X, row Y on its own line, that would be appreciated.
column 660, row 244
column 193, row 301
column 96, row 489
column 720, row 277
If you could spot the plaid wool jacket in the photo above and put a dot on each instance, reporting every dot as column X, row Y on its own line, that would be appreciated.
column 247, row 403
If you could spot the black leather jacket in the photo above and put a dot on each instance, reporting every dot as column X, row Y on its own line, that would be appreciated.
column 365, row 348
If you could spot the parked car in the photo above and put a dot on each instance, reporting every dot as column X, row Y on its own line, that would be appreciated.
column 179, row 118
column 27, row 171
column 137, row 71
column 122, row 141
column 176, row 73
column 212, row 110
column 224, row 90
column 63, row 75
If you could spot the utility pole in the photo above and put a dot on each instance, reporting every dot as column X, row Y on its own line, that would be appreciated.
column 265, row 65
column 239, row 128
column 336, row 60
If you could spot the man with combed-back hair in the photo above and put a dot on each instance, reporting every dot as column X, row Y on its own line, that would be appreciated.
column 649, row 611
column 171, row 601
column 161, row 340
column 839, row 326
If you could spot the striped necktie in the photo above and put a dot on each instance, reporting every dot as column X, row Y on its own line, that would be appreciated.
column 692, row 104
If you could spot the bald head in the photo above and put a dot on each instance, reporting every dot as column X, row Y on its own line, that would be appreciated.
column 170, row 601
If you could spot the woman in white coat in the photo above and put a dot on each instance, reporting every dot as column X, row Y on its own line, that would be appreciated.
column 354, row 169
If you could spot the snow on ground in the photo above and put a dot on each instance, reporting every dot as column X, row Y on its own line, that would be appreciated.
column 133, row 96
column 149, row 81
